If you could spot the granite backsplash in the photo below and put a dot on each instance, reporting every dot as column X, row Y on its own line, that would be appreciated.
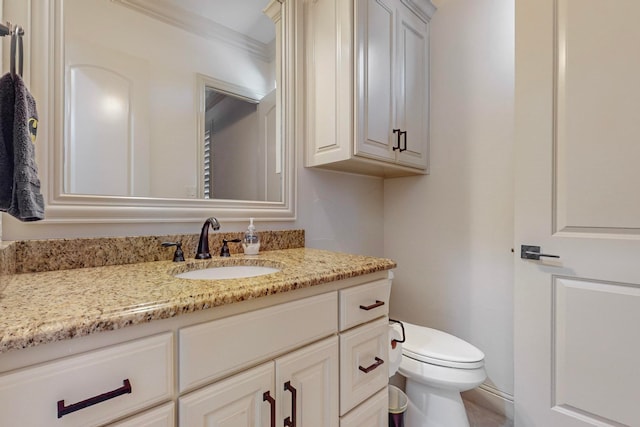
column 32, row 256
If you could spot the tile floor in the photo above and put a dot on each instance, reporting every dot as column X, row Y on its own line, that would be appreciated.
column 482, row 417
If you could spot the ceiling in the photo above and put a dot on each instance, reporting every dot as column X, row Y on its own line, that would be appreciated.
column 243, row 16
column 231, row 19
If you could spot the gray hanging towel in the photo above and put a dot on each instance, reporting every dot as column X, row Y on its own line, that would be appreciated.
column 19, row 184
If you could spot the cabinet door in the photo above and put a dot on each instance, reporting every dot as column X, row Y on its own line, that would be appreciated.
column 375, row 63
column 326, row 29
column 412, row 101
column 307, row 385
column 238, row 401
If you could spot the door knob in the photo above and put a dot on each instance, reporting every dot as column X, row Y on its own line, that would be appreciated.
column 533, row 252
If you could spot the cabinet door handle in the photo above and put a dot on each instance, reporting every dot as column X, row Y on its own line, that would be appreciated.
column 291, row 421
column 397, row 146
column 372, row 306
column 370, row 368
column 403, row 133
column 266, row 397
column 64, row 410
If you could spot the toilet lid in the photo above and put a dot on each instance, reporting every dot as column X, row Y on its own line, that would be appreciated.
column 440, row 348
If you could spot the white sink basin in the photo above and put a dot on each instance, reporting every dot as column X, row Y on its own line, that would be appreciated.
column 228, row 272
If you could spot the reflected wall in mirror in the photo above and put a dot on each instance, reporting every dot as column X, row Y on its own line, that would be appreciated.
column 178, row 103
column 242, row 158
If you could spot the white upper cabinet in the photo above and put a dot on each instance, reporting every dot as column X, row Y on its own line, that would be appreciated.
column 367, row 85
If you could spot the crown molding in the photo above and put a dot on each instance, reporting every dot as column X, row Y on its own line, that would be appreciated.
column 199, row 25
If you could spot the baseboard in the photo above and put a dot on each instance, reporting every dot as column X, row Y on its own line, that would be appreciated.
column 492, row 399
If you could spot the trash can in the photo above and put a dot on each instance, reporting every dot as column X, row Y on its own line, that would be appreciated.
column 398, row 403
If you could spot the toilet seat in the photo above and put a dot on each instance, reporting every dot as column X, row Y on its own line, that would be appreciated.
column 440, row 348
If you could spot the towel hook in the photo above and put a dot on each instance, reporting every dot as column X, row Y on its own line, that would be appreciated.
column 5, row 30
column 17, row 49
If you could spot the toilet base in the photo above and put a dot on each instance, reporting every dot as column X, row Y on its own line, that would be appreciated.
column 434, row 407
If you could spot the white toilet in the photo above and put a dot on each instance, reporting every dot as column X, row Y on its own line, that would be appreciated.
column 438, row 366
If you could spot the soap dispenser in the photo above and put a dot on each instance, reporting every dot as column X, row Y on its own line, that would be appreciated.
column 251, row 241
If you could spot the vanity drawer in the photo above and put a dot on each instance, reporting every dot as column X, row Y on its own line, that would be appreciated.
column 363, row 363
column 212, row 350
column 363, row 303
column 374, row 412
column 36, row 396
column 163, row 416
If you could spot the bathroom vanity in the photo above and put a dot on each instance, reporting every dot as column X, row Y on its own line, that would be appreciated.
column 305, row 346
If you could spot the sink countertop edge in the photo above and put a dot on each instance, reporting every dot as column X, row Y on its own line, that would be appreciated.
column 45, row 307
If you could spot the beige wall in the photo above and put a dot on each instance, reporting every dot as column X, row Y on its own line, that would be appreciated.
column 452, row 232
column 341, row 212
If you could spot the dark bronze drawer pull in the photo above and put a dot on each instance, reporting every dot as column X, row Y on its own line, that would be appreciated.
column 291, row 421
column 368, row 369
column 64, row 410
column 372, row 306
column 266, row 397
column 400, row 133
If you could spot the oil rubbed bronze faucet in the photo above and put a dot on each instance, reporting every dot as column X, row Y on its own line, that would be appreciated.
column 203, row 244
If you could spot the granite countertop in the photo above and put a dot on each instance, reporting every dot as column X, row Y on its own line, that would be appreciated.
column 43, row 307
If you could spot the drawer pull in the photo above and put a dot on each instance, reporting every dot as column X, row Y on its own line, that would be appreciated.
column 266, row 397
column 368, row 369
column 372, row 306
column 291, row 421
column 64, row 410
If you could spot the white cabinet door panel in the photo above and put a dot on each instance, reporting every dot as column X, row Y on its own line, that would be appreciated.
column 307, row 385
column 375, row 64
column 412, row 102
column 235, row 402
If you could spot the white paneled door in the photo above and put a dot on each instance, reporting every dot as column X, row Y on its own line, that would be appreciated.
column 577, row 317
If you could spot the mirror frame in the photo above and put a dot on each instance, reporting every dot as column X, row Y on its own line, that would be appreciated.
column 47, row 78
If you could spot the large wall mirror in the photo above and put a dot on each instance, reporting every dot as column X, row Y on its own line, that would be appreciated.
column 169, row 110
